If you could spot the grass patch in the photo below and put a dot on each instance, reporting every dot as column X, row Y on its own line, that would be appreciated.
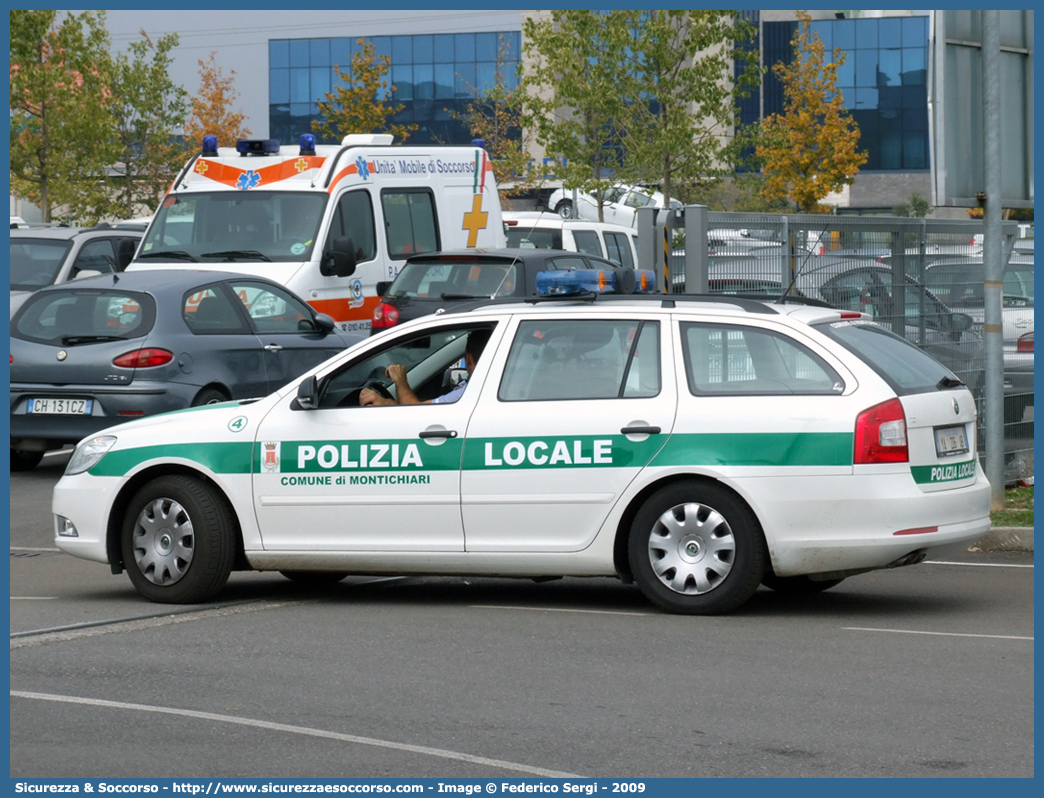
column 1018, row 508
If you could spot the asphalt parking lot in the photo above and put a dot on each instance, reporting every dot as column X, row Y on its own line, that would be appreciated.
column 924, row 671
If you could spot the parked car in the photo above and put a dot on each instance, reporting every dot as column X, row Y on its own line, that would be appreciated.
column 441, row 281
column 697, row 448
column 620, row 203
column 99, row 351
column 42, row 256
column 528, row 230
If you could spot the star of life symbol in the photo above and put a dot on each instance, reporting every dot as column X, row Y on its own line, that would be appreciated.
column 270, row 456
column 248, row 180
column 363, row 167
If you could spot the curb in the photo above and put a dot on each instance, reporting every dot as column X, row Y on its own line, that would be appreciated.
column 1006, row 538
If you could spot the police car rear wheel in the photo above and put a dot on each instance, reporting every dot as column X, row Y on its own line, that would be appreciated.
column 178, row 540
column 315, row 578
column 696, row 548
column 797, row 585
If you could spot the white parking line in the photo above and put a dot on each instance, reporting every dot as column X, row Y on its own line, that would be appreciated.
column 978, row 564
column 940, row 634
column 284, row 727
column 31, row 548
column 33, row 598
column 554, row 609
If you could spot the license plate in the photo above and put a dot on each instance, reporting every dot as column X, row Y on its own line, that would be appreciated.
column 950, row 441
column 60, row 407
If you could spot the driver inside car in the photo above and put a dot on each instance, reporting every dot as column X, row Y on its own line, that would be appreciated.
column 396, row 372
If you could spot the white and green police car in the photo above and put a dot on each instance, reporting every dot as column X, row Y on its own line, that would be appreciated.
column 698, row 447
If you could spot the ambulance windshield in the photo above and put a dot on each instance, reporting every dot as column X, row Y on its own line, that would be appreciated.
column 235, row 226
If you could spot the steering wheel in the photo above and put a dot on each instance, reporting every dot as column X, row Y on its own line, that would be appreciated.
column 380, row 387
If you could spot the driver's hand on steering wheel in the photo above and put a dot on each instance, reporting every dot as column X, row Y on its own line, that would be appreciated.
column 368, row 397
column 396, row 372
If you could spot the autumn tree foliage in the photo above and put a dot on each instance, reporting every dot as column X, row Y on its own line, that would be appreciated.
column 211, row 109
column 363, row 102
column 810, row 149
column 60, row 94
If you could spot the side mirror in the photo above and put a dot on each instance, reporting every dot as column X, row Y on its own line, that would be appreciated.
column 308, row 393
column 339, row 260
column 85, row 273
column 324, row 323
column 125, row 253
column 382, row 287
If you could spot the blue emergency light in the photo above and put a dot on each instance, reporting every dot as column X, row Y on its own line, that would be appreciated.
column 210, row 145
column 575, row 281
column 307, row 144
column 257, row 146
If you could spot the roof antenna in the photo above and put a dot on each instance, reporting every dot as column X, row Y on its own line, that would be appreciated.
column 801, row 268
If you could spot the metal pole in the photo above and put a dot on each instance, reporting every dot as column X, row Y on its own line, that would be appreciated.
column 696, row 249
column 992, row 244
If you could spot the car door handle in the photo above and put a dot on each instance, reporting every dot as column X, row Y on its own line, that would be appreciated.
column 640, row 430
column 273, row 348
column 439, row 433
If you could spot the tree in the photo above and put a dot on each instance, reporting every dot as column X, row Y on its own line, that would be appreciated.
column 682, row 94
column 211, row 109
column 498, row 116
column 146, row 108
column 809, row 150
column 60, row 93
column 917, row 207
column 357, row 104
column 577, row 65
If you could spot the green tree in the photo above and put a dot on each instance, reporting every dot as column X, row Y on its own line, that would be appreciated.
column 211, row 109
column 60, row 93
column 498, row 116
column 577, row 63
column 810, row 149
column 917, row 206
column 682, row 94
column 363, row 101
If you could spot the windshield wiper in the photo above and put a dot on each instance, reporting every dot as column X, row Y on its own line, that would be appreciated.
column 170, row 253
column 232, row 254
column 72, row 340
column 461, row 296
column 948, row 382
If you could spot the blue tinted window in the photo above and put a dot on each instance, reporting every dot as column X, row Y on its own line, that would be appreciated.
column 915, row 97
column 341, row 53
column 846, row 71
column 464, row 84
column 914, row 69
column 298, row 52
column 444, row 48
column 915, row 31
column 866, row 67
column 891, row 67
column 847, row 98
column 844, row 34
column 381, row 45
column 319, row 52
column 485, row 47
column 464, row 44
column 485, row 76
column 278, row 53
column 402, row 49
column 890, row 32
column 423, row 51
column 320, row 82
column 279, row 85
column 890, row 97
column 444, row 81
column 866, row 98
column 866, row 33
column 299, row 92
column 402, row 79
column 915, row 149
column 423, row 82
column 825, row 29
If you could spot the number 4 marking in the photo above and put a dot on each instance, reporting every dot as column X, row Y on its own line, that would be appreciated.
column 238, row 424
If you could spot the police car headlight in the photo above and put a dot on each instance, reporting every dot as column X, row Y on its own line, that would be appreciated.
column 88, row 453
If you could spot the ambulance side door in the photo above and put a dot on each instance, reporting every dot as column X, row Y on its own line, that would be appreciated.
column 573, row 410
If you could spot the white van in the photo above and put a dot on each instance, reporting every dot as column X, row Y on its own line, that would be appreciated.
column 614, row 242
column 328, row 221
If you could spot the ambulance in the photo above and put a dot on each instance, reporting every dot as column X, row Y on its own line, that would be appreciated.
column 330, row 222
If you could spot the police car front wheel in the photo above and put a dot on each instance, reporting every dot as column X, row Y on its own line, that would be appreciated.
column 696, row 548
column 178, row 540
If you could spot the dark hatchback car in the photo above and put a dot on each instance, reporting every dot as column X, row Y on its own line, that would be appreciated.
column 443, row 281
column 102, row 350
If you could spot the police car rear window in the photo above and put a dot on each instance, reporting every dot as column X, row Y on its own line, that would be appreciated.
column 902, row 365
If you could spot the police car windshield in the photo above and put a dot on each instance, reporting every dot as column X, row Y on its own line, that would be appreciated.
column 457, row 279
column 244, row 226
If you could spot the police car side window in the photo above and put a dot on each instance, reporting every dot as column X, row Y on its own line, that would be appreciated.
column 354, row 219
column 729, row 360
column 553, row 360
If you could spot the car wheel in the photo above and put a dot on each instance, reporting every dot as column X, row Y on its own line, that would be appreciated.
column 209, row 396
column 797, row 585
column 315, row 578
column 565, row 209
column 178, row 540
column 25, row 461
column 696, row 548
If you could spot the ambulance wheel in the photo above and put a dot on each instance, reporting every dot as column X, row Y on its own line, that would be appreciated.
column 564, row 209
column 797, row 585
column 696, row 548
column 25, row 461
column 315, row 578
column 178, row 540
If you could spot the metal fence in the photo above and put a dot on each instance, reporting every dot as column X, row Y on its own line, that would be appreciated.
column 923, row 278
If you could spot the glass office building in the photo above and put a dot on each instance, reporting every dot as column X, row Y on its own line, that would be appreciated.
column 435, row 76
column 883, row 82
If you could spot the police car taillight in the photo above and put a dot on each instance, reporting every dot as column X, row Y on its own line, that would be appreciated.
column 880, row 434
column 384, row 316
